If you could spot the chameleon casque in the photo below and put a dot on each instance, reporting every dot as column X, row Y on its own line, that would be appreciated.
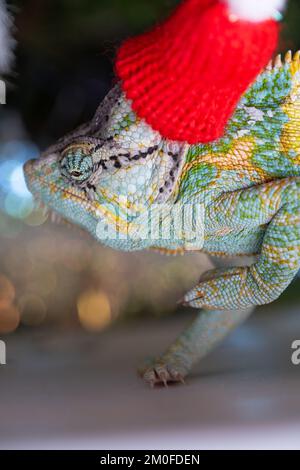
column 248, row 183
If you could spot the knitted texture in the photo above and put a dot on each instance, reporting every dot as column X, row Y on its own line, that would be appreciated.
column 187, row 75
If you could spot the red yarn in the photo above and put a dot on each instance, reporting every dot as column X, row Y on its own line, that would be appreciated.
column 186, row 76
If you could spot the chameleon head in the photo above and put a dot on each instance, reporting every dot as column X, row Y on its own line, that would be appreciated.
column 106, row 172
column 60, row 184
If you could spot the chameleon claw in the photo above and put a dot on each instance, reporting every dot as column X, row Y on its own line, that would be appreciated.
column 191, row 298
column 181, row 379
column 186, row 302
column 164, row 379
column 149, row 377
column 162, row 373
column 178, row 377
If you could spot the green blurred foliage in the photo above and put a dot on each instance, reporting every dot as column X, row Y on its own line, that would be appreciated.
column 62, row 25
column 58, row 26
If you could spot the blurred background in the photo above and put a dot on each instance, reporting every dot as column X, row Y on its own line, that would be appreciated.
column 55, row 283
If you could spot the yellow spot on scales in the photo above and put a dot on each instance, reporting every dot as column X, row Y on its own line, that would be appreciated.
column 239, row 158
column 52, row 188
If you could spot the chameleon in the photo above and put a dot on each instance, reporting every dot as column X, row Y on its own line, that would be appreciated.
column 107, row 175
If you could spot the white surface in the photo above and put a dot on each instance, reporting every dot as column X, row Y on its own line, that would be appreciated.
column 80, row 391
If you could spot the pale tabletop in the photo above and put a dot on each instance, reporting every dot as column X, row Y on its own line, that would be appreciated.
column 80, row 391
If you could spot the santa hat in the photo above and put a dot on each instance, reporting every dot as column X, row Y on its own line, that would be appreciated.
column 186, row 76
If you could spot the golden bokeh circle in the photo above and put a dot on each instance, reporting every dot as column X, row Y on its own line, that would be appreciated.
column 7, row 292
column 94, row 310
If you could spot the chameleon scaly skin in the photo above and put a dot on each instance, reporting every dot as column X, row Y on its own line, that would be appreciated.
column 248, row 183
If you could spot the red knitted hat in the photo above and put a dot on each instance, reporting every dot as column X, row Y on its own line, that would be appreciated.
column 187, row 75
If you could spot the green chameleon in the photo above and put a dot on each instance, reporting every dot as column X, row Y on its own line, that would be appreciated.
column 114, row 175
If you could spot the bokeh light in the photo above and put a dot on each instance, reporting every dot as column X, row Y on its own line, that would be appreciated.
column 9, row 319
column 18, row 184
column 7, row 167
column 17, row 207
column 94, row 310
column 16, row 200
column 7, row 292
column 36, row 217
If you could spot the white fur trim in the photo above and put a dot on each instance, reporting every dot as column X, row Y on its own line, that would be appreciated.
column 255, row 10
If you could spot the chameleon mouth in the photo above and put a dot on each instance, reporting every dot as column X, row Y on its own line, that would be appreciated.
column 50, row 214
column 57, row 219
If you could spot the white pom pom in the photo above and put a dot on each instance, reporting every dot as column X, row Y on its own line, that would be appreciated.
column 255, row 10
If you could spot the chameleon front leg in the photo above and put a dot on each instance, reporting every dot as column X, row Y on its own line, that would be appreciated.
column 204, row 334
column 276, row 205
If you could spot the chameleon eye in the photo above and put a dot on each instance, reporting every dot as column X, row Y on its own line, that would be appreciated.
column 76, row 174
column 76, row 165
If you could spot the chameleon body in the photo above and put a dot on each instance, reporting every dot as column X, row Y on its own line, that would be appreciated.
column 105, row 174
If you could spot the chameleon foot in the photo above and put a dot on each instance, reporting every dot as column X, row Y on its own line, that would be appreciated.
column 217, row 289
column 161, row 372
column 235, row 288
